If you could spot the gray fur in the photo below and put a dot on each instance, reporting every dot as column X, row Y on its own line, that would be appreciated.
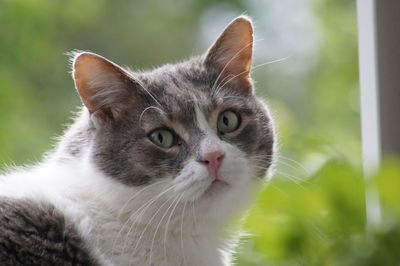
column 165, row 97
column 123, row 108
column 38, row 234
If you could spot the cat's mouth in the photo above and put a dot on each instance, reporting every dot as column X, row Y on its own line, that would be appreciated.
column 218, row 181
column 217, row 185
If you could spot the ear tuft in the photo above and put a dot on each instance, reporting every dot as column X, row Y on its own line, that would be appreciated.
column 101, row 84
column 232, row 54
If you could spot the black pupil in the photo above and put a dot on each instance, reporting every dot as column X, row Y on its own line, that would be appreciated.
column 160, row 138
column 225, row 120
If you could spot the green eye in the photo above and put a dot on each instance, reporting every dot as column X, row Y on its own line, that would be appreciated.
column 228, row 121
column 162, row 138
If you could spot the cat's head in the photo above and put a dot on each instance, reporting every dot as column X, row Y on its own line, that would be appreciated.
column 196, row 126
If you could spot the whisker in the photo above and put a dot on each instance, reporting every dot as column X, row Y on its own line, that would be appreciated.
column 158, row 226
column 194, row 100
column 194, row 216
column 137, row 193
column 243, row 72
column 142, row 209
column 167, row 224
column 278, row 189
column 147, row 225
column 295, row 162
column 285, row 158
column 318, row 231
column 277, row 163
column 295, row 179
column 146, row 109
column 148, row 92
column 182, row 247
column 234, row 97
column 230, row 60
column 124, row 206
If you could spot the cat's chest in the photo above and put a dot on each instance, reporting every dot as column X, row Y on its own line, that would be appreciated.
column 125, row 243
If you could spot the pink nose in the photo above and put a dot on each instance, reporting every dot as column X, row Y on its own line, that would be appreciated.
column 213, row 161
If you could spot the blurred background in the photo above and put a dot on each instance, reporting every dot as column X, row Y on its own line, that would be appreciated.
column 313, row 211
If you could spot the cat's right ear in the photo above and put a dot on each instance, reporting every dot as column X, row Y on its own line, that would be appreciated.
column 231, row 55
column 103, row 86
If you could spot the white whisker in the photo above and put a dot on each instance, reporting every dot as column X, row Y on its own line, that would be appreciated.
column 182, row 247
column 167, row 224
column 278, row 162
column 148, row 92
column 143, row 209
column 243, row 72
column 158, row 226
column 147, row 225
column 227, row 64
column 124, row 206
column 146, row 109
column 194, row 217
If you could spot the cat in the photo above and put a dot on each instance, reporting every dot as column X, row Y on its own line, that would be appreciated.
column 152, row 168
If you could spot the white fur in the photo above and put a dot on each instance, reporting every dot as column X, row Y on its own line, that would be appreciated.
column 171, row 222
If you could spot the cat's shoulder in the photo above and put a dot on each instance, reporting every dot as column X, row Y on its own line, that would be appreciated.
column 36, row 233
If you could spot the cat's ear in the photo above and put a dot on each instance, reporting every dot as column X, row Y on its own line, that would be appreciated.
column 231, row 54
column 103, row 86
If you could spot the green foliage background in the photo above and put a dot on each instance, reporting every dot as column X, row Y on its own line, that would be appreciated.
column 322, row 221
column 313, row 212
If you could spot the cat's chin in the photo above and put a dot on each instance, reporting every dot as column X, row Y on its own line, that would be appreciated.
column 216, row 186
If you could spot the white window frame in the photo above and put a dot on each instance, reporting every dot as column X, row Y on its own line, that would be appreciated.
column 379, row 70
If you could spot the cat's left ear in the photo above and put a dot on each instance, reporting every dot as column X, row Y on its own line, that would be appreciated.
column 231, row 55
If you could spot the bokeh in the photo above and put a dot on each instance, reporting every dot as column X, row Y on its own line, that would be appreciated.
column 308, row 48
column 305, row 67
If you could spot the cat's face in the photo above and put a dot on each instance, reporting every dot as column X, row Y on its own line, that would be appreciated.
column 196, row 126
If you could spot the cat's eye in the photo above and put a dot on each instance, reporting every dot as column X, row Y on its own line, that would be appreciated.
column 163, row 138
column 228, row 121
